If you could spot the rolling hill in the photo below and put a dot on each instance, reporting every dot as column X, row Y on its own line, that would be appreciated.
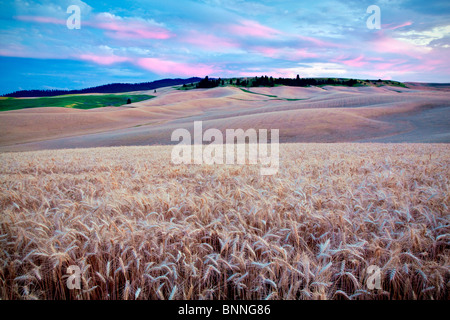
column 303, row 114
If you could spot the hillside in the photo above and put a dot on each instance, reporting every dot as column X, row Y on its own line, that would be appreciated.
column 80, row 101
column 303, row 114
column 107, row 88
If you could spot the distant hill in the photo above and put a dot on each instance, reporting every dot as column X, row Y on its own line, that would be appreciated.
column 428, row 86
column 107, row 88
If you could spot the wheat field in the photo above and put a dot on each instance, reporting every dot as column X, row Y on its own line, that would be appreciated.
column 140, row 227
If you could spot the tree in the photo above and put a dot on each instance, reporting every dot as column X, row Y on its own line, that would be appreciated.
column 206, row 83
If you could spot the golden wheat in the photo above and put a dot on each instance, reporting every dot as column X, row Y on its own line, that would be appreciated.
column 139, row 227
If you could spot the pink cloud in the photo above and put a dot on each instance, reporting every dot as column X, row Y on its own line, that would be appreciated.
column 249, row 28
column 386, row 67
column 163, row 67
column 117, row 27
column 266, row 51
column 296, row 54
column 252, row 74
column 383, row 67
column 390, row 27
column 103, row 60
column 286, row 53
column 397, row 67
column 134, row 30
column 357, row 62
column 320, row 43
column 156, row 65
column 14, row 50
column 41, row 19
column 209, row 41
column 384, row 44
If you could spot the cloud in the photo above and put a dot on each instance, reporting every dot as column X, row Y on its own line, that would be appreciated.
column 287, row 53
column 235, row 37
column 126, row 28
column 39, row 19
column 167, row 67
column 316, row 69
column 116, row 27
column 250, row 28
column 209, row 41
column 425, row 37
column 155, row 65
column 393, row 27
column 103, row 60
column 356, row 62
column 386, row 44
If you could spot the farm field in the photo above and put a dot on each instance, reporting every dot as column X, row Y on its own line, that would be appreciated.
column 419, row 114
column 224, row 159
column 81, row 101
column 140, row 227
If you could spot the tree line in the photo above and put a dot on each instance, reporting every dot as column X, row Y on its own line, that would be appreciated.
column 265, row 81
column 107, row 88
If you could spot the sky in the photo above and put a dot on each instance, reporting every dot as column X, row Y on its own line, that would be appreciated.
column 137, row 41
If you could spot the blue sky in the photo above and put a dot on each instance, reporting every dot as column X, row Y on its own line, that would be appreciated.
column 135, row 41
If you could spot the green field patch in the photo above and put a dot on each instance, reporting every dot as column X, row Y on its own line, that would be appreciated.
column 272, row 96
column 71, row 101
column 261, row 94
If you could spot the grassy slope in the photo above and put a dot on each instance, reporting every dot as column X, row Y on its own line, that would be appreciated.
column 71, row 101
column 330, row 114
column 140, row 227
